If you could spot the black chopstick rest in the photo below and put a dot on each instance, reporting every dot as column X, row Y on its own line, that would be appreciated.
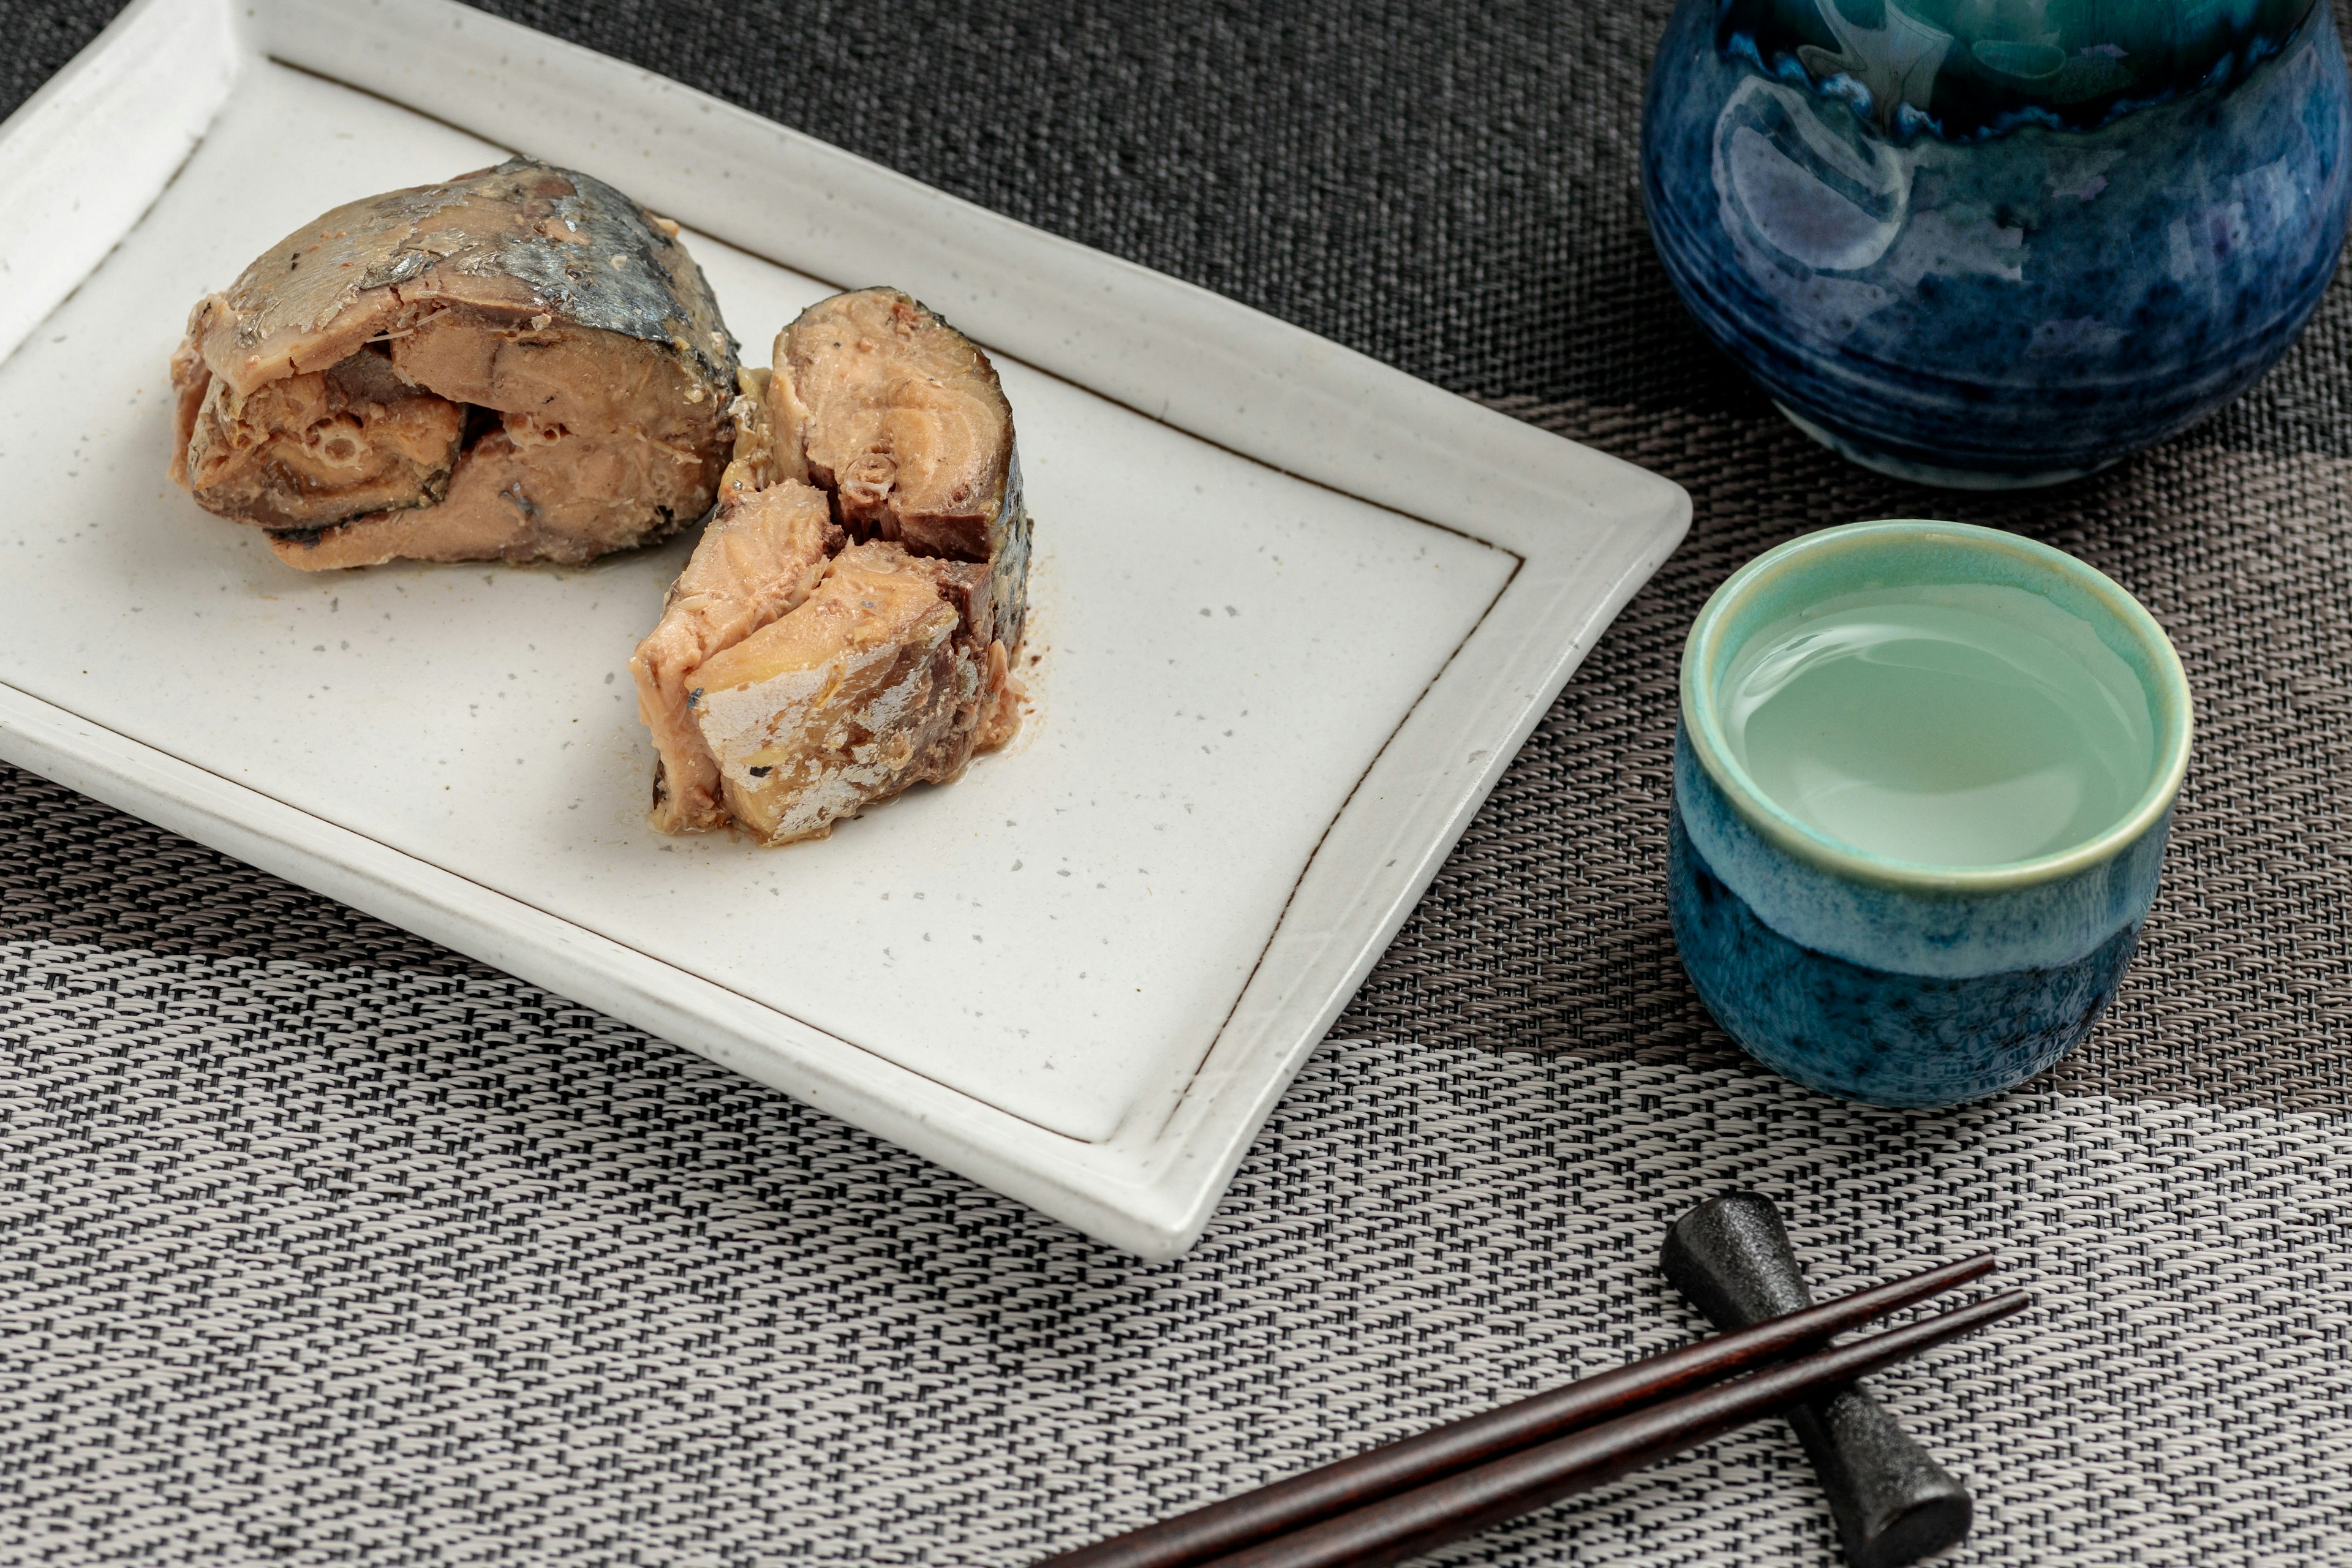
column 1730, row 1258
column 1209, row 1536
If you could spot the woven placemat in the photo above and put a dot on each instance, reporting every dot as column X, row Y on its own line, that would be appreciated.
column 321, row 1244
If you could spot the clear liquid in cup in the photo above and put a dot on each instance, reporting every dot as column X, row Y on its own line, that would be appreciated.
column 1969, row 724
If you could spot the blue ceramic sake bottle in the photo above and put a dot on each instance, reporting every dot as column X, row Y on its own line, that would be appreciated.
column 1990, row 243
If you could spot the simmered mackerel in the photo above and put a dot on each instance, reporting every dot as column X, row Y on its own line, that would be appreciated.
column 901, row 419
column 519, row 363
column 895, row 670
column 759, row 560
column 878, row 682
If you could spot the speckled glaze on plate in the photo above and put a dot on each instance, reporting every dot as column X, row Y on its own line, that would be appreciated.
column 1886, row 981
column 1991, row 245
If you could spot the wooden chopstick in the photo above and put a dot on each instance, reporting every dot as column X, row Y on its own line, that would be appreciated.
column 1410, row 1523
column 1210, row 1532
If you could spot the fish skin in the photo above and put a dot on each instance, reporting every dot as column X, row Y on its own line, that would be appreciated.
column 1008, row 555
column 540, row 294
column 260, row 325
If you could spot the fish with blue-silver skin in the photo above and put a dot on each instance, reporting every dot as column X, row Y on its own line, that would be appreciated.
column 519, row 363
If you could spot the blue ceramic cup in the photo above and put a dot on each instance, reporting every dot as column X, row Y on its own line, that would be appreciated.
column 1923, row 783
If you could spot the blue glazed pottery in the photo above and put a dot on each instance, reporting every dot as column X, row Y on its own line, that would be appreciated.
column 1891, row 980
column 1990, row 242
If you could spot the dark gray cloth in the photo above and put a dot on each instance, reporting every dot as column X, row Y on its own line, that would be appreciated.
column 322, row 1244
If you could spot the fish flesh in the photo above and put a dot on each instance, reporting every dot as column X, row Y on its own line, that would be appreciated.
column 784, row 704
column 901, row 419
column 876, row 682
column 519, row 363
column 760, row 559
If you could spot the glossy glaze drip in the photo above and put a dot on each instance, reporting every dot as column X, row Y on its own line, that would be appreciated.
column 1964, row 70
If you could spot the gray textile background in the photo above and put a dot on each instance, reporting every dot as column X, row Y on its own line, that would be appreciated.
column 318, row 1244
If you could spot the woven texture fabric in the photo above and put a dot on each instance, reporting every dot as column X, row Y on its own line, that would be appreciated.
column 322, row 1244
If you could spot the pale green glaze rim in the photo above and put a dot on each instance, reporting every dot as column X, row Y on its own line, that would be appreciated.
column 1836, row 552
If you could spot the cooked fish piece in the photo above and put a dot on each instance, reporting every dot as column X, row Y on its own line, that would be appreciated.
column 786, row 709
column 759, row 559
column 889, row 675
column 759, row 458
column 901, row 419
column 519, row 363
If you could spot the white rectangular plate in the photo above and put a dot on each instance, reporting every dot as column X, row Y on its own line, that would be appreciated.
column 1294, row 613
